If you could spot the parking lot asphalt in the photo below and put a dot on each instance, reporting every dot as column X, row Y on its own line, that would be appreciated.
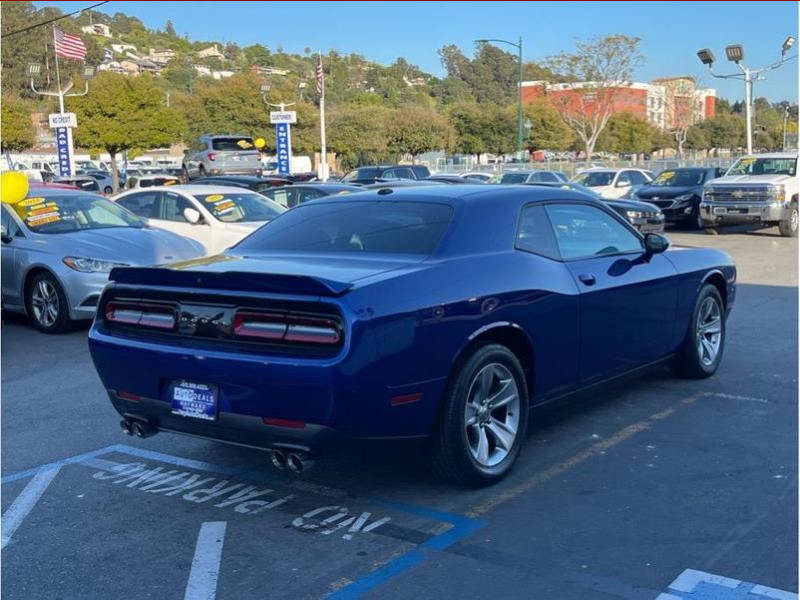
column 657, row 487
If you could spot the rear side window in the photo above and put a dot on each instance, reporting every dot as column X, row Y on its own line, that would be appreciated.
column 514, row 178
column 232, row 143
column 535, row 234
column 382, row 227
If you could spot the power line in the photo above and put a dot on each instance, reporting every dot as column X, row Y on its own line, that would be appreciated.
column 29, row 27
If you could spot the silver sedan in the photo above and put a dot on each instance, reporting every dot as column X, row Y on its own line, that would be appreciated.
column 58, row 246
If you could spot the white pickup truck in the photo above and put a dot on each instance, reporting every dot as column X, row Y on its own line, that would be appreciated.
column 758, row 189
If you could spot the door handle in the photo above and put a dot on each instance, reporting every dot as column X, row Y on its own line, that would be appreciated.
column 587, row 278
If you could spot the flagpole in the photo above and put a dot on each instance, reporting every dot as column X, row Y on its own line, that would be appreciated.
column 58, row 75
column 70, row 143
column 324, row 157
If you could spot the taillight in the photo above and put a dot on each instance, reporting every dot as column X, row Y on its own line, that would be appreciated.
column 288, row 328
column 143, row 315
column 212, row 156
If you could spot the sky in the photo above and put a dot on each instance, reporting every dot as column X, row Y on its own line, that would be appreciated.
column 670, row 32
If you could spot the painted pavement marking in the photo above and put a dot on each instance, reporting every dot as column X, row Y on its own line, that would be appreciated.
column 699, row 585
column 26, row 500
column 203, row 577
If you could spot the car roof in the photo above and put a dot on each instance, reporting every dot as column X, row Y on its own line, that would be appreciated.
column 192, row 190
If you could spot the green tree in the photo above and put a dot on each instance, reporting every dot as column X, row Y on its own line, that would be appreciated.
column 169, row 29
column 726, row 130
column 125, row 113
column 16, row 128
column 606, row 61
column 416, row 129
column 358, row 134
column 548, row 130
column 626, row 132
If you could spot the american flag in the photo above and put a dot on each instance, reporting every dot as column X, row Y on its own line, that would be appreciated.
column 69, row 46
column 320, row 78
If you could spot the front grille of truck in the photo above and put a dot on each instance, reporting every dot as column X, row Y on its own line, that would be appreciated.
column 740, row 194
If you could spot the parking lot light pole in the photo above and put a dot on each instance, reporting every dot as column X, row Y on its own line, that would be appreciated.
column 519, row 87
column 735, row 54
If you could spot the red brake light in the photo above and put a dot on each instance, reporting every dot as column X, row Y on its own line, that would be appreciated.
column 145, row 315
column 259, row 325
column 212, row 156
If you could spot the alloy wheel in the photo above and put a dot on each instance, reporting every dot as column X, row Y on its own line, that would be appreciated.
column 709, row 331
column 44, row 302
column 492, row 415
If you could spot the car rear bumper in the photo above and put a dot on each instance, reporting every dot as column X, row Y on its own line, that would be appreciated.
column 235, row 170
column 720, row 213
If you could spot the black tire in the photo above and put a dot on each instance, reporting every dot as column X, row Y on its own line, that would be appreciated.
column 695, row 221
column 108, row 189
column 711, row 230
column 451, row 457
column 689, row 362
column 61, row 322
column 788, row 228
column 201, row 171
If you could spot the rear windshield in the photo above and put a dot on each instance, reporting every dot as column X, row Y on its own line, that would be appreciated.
column 232, row 143
column 363, row 173
column 595, row 178
column 240, row 206
column 382, row 227
column 514, row 178
column 158, row 181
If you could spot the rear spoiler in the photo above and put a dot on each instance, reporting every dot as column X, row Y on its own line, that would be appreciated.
column 239, row 281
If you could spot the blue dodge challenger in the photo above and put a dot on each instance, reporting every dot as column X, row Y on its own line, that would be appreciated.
column 445, row 313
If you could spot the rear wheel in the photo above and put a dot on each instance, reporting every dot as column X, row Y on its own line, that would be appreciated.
column 483, row 420
column 201, row 171
column 108, row 189
column 47, row 304
column 705, row 339
column 788, row 228
column 695, row 221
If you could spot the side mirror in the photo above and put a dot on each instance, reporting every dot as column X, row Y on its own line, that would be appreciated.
column 623, row 184
column 655, row 243
column 192, row 215
column 4, row 237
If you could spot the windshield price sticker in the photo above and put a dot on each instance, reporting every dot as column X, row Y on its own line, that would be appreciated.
column 214, row 198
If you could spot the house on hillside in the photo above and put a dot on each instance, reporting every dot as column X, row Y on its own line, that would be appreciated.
column 160, row 57
column 147, row 66
column 129, row 67
column 222, row 74
column 112, row 66
column 122, row 48
column 211, row 52
column 269, row 71
column 201, row 70
column 97, row 29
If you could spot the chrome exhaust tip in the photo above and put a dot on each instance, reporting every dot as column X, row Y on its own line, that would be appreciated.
column 125, row 425
column 278, row 459
column 298, row 463
column 137, row 429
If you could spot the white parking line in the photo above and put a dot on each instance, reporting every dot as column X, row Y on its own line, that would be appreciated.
column 762, row 590
column 735, row 397
column 202, row 583
column 23, row 503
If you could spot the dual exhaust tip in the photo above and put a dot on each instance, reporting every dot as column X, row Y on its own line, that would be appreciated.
column 296, row 462
column 140, row 429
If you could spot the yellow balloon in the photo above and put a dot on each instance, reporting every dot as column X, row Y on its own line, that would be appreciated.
column 13, row 186
column 260, row 143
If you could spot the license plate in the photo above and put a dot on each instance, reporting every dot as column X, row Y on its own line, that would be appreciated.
column 195, row 400
column 719, row 210
column 737, row 211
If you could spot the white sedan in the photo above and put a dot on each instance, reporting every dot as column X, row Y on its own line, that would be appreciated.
column 613, row 183
column 214, row 215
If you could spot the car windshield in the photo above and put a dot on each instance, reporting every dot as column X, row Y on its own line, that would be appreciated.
column 764, row 166
column 63, row 214
column 232, row 143
column 513, row 178
column 680, row 178
column 154, row 181
column 377, row 227
column 594, row 178
column 363, row 173
column 240, row 206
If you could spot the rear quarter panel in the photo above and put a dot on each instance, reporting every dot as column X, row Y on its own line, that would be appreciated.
column 696, row 266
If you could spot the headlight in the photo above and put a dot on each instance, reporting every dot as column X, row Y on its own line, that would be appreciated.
column 635, row 214
column 90, row 265
column 779, row 192
column 684, row 197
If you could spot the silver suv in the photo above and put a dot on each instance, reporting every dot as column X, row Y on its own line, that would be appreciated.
column 224, row 154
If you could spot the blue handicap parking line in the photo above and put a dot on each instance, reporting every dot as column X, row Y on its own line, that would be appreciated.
column 699, row 585
column 461, row 526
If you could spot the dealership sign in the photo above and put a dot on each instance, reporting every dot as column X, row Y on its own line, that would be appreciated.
column 63, row 120
column 282, row 116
